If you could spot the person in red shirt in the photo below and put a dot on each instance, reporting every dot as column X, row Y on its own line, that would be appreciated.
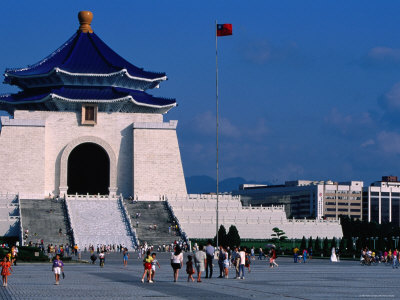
column 272, row 258
column 6, row 270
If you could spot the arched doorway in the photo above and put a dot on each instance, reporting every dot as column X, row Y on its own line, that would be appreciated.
column 88, row 170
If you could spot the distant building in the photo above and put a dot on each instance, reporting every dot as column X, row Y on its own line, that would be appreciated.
column 308, row 199
column 381, row 201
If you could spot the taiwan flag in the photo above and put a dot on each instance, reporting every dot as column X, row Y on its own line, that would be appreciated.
column 224, row 29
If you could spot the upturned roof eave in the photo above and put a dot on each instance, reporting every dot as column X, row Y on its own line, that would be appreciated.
column 59, row 70
column 54, row 96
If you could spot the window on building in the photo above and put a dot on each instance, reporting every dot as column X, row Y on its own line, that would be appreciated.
column 383, row 194
column 355, row 204
column 385, row 210
column 375, row 210
column 355, row 210
column 342, row 209
column 374, row 193
column 89, row 114
column 331, row 209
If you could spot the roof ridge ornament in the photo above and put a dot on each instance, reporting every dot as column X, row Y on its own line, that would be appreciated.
column 85, row 19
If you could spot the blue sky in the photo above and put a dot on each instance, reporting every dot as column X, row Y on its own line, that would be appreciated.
column 308, row 89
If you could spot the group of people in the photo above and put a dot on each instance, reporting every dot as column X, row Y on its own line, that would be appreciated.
column 387, row 257
column 202, row 261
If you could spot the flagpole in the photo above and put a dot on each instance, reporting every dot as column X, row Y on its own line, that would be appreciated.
column 216, row 85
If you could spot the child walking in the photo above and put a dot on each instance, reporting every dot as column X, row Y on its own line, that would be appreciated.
column 58, row 268
column 147, row 267
column 153, row 266
column 6, row 270
column 189, row 268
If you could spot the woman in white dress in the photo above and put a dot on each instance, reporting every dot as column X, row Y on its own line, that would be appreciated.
column 333, row 255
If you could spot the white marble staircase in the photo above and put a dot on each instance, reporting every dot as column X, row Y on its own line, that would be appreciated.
column 98, row 220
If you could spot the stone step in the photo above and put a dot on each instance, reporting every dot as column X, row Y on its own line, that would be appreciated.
column 157, row 214
column 43, row 219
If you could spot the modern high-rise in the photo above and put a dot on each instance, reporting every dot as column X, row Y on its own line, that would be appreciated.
column 381, row 201
column 308, row 199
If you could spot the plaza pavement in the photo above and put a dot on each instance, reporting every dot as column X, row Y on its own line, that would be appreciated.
column 318, row 279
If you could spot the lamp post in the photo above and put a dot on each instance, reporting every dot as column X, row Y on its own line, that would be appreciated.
column 354, row 245
column 374, row 239
column 396, row 241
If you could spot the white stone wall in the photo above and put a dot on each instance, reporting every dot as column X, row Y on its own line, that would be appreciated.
column 22, row 157
column 30, row 154
column 157, row 166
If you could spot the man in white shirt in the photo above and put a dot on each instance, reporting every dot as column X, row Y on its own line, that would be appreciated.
column 242, row 254
column 210, row 256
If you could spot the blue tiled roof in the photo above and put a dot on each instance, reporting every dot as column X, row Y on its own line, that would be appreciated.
column 83, row 53
column 93, row 94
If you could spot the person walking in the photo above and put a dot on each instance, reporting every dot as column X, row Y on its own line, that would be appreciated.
column 242, row 254
column 395, row 261
column 305, row 255
column 226, row 263
column 102, row 258
column 5, row 270
column 272, row 258
column 126, row 256
column 189, row 268
column 154, row 263
column 236, row 261
column 147, row 267
column 58, row 268
column 221, row 257
column 176, row 261
column 200, row 259
column 210, row 256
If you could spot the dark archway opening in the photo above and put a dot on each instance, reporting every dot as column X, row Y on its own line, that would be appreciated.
column 88, row 170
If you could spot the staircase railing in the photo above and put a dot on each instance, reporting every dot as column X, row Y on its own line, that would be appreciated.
column 70, row 229
column 171, row 211
column 128, row 221
column 21, row 228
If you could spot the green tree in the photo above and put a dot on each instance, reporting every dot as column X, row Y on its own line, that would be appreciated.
column 342, row 245
column 233, row 237
column 310, row 242
column 303, row 244
column 333, row 243
column 222, row 236
column 326, row 249
column 278, row 236
column 349, row 245
column 317, row 247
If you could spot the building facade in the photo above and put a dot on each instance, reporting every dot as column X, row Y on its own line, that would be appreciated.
column 84, row 123
column 381, row 201
column 308, row 199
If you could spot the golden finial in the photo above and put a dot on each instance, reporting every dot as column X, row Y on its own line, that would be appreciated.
column 85, row 18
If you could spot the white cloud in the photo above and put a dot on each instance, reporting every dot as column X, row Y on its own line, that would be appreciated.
column 391, row 100
column 384, row 54
column 367, row 143
column 389, row 142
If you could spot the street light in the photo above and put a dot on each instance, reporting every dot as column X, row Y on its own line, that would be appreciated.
column 374, row 239
column 354, row 245
column 396, row 241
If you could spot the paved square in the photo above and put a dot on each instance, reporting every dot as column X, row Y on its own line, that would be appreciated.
column 318, row 279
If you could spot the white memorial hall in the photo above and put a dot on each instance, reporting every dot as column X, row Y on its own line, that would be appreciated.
column 84, row 128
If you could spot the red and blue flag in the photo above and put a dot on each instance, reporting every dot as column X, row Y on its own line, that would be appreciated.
column 224, row 29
